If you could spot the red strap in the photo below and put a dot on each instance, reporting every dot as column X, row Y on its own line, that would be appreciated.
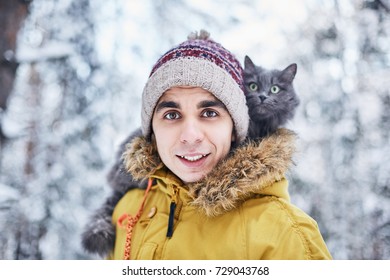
column 132, row 221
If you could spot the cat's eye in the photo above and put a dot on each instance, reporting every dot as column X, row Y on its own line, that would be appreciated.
column 253, row 86
column 275, row 89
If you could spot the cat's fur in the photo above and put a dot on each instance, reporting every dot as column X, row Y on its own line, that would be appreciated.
column 267, row 112
column 99, row 233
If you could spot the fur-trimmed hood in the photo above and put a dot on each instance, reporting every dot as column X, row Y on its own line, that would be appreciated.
column 247, row 171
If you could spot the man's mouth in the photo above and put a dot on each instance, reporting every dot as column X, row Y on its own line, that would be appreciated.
column 193, row 158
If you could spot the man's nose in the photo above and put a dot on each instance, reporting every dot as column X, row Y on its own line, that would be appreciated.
column 191, row 132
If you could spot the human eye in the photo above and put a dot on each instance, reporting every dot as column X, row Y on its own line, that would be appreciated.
column 209, row 114
column 171, row 116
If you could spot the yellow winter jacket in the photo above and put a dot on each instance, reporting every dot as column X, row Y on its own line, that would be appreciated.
column 241, row 210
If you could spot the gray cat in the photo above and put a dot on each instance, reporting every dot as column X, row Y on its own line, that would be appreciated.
column 270, row 96
column 271, row 100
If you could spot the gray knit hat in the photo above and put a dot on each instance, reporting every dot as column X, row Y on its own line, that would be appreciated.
column 198, row 62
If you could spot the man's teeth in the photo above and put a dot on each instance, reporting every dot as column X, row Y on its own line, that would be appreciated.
column 194, row 158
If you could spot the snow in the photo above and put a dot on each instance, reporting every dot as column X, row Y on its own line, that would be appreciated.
column 7, row 193
column 50, row 50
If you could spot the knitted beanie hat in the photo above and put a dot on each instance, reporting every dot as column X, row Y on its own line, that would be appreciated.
column 198, row 62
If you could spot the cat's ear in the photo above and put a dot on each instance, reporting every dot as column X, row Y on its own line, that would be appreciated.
column 289, row 73
column 248, row 64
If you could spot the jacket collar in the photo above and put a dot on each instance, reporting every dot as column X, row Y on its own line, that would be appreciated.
column 249, row 170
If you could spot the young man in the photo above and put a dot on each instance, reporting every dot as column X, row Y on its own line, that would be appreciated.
column 210, row 194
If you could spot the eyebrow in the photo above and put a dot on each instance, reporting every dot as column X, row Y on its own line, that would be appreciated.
column 167, row 104
column 203, row 104
column 211, row 103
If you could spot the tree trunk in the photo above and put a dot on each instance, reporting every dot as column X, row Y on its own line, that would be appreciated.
column 12, row 14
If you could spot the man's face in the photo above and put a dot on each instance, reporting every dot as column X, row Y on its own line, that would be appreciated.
column 193, row 131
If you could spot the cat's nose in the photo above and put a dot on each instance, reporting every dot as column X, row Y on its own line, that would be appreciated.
column 262, row 98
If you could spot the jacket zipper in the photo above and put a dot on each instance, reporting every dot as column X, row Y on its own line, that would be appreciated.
column 172, row 209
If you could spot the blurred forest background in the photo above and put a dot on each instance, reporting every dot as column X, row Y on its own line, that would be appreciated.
column 71, row 77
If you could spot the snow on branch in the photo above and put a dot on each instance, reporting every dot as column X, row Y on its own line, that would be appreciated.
column 50, row 51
